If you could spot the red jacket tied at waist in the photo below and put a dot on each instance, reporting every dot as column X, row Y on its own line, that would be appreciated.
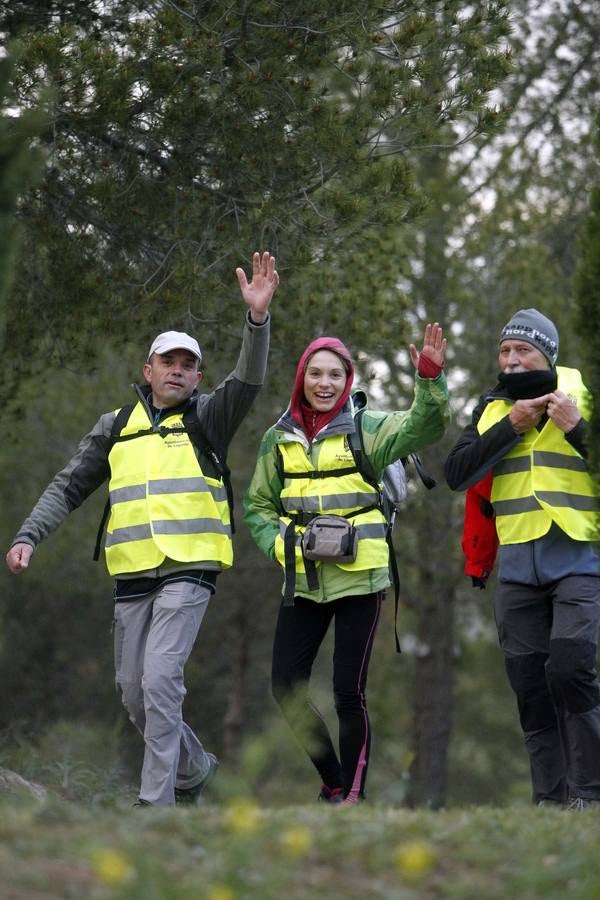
column 479, row 540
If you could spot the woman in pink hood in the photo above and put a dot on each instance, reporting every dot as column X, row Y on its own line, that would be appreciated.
column 311, row 508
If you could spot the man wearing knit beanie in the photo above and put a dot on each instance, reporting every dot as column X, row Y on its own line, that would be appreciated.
column 531, row 326
column 526, row 449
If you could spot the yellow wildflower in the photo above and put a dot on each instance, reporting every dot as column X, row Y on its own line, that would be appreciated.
column 243, row 817
column 220, row 892
column 414, row 859
column 297, row 840
column 112, row 868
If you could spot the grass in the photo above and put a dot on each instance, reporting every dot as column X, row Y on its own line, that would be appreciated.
column 237, row 849
column 86, row 841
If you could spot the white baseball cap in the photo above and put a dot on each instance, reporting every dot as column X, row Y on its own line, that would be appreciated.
column 175, row 340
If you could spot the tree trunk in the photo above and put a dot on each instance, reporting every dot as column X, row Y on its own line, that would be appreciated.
column 433, row 696
column 238, row 643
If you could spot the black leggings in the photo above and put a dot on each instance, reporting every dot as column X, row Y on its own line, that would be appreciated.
column 299, row 633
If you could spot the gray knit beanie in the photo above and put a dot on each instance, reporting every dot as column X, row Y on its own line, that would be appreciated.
column 531, row 326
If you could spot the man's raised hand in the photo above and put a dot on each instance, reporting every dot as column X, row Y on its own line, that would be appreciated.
column 259, row 292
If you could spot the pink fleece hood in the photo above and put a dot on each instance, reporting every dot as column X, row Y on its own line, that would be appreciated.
column 299, row 407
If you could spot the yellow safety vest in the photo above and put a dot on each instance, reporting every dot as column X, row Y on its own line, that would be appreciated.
column 337, row 493
column 162, row 504
column 543, row 479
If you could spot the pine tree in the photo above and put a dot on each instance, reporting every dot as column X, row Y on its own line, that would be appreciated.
column 183, row 136
column 19, row 166
column 588, row 311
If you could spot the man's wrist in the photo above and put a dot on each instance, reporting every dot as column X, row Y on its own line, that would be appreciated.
column 255, row 319
column 515, row 429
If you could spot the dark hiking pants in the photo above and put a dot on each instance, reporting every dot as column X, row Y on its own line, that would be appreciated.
column 549, row 638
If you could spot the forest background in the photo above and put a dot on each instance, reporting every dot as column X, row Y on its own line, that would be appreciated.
column 405, row 162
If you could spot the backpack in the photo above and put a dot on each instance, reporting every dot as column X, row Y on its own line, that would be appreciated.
column 199, row 442
column 392, row 491
column 393, row 486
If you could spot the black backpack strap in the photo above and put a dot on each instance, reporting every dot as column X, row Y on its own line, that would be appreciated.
column 425, row 477
column 289, row 543
column 101, row 527
column 201, row 444
column 289, row 550
column 289, row 555
column 357, row 448
column 395, row 581
column 120, row 421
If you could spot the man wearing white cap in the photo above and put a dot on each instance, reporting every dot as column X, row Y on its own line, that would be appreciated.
column 169, row 531
column 528, row 438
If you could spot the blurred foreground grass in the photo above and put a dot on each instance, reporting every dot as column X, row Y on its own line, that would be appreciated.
column 237, row 849
column 261, row 835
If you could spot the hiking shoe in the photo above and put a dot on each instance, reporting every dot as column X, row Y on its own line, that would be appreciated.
column 576, row 804
column 139, row 803
column 352, row 801
column 331, row 795
column 193, row 796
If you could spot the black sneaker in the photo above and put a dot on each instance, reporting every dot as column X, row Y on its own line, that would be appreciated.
column 193, row 796
column 139, row 803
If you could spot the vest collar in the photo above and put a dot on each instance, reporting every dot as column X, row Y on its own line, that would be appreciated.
column 144, row 395
column 343, row 423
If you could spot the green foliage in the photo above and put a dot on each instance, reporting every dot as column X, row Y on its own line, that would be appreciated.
column 487, row 755
column 65, row 760
column 19, row 168
column 58, row 614
column 186, row 136
column 588, row 312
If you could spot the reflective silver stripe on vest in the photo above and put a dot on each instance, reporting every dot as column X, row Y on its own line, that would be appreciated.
column 122, row 495
column 515, row 507
column 574, row 501
column 373, row 530
column 187, row 526
column 193, row 485
column 511, row 465
column 540, row 458
column 559, row 461
column 167, row 486
column 128, row 534
column 191, row 526
column 331, row 501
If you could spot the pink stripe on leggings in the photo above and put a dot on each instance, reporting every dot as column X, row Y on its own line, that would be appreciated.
column 354, row 791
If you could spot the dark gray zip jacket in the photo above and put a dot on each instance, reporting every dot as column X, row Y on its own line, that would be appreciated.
column 219, row 415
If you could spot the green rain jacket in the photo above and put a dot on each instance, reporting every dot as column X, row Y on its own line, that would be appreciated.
column 387, row 436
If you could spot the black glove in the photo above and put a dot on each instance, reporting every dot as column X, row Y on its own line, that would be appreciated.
column 478, row 582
